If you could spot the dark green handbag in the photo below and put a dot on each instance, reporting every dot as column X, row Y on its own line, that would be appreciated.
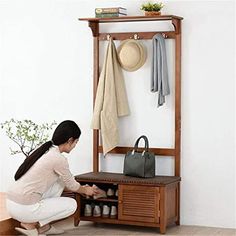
column 140, row 164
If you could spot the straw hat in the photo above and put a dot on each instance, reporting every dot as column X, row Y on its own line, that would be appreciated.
column 131, row 54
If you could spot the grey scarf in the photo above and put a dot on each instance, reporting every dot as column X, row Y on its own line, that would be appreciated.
column 159, row 71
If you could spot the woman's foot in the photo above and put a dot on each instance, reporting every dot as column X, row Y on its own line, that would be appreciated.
column 29, row 225
column 54, row 230
column 44, row 228
column 28, row 232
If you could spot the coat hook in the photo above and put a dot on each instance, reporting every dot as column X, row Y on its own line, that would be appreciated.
column 136, row 36
column 164, row 35
column 108, row 37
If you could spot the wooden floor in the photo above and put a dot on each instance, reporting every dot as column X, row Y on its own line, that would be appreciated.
column 89, row 228
column 7, row 224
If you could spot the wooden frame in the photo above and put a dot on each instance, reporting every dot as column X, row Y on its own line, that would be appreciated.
column 176, row 35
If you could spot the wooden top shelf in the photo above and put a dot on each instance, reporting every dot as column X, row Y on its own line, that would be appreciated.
column 107, row 177
column 132, row 18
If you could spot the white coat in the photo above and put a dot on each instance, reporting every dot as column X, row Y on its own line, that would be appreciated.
column 111, row 100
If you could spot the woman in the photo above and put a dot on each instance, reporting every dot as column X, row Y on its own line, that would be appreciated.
column 34, row 199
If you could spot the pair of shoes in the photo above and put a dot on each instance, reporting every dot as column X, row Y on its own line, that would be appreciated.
column 96, row 211
column 101, row 193
column 88, row 211
column 29, row 232
column 106, row 211
column 54, row 230
column 111, row 192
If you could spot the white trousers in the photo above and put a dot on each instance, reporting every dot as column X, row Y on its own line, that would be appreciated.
column 52, row 207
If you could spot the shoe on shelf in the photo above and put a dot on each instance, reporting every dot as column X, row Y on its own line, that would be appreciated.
column 105, row 211
column 28, row 232
column 97, row 211
column 101, row 193
column 110, row 192
column 116, row 194
column 54, row 230
column 88, row 210
column 113, row 214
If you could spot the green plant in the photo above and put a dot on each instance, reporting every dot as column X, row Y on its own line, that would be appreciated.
column 26, row 134
column 152, row 6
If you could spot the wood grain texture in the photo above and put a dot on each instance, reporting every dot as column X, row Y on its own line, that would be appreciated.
column 107, row 177
column 137, row 203
column 177, row 24
column 132, row 18
column 156, row 151
column 95, row 85
column 141, row 35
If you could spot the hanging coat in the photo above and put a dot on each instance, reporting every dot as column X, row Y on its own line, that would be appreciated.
column 111, row 100
column 159, row 70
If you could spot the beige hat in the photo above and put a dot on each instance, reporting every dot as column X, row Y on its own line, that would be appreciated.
column 131, row 54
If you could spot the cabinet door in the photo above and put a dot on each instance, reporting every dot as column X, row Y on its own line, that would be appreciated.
column 139, row 203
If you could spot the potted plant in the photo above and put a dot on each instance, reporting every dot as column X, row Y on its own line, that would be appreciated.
column 152, row 9
column 26, row 134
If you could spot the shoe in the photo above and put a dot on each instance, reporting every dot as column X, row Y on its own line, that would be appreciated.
column 105, row 211
column 101, row 194
column 97, row 211
column 53, row 230
column 88, row 210
column 28, row 232
column 116, row 193
column 113, row 214
column 110, row 192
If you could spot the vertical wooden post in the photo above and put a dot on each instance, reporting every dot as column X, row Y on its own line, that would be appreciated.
column 163, row 218
column 177, row 222
column 77, row 212
column 177, row 25
column 95, row 30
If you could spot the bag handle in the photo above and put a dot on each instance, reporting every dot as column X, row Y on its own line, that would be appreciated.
column 146, row 143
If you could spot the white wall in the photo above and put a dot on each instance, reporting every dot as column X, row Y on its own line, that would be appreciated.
column 46, row 74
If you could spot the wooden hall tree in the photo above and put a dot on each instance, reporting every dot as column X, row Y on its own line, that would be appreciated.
column 148, row 202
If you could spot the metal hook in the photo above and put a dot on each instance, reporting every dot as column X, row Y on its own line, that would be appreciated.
column 136, row 36
column 108, row 37
column 164, row 35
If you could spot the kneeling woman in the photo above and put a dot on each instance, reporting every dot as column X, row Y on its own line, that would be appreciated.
column 35, row 197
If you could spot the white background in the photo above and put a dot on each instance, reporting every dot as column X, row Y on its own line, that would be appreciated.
column 46, row 74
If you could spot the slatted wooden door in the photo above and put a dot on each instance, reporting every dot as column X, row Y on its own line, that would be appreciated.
column 139, row 203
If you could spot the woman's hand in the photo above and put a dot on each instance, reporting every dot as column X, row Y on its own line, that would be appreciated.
column 87, row 190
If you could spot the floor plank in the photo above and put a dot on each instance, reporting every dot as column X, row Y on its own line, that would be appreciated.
column 89, row 228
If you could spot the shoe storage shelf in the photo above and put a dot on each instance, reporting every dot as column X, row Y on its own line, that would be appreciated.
column 145, row 202
column 148, row 202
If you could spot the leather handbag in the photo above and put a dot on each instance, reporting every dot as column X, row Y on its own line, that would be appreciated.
column 140, row 164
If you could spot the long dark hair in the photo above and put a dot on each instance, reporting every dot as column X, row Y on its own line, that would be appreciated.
column 64, row 131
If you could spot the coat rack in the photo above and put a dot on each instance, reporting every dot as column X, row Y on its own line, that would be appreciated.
column 176, row 35
column 161, row 192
